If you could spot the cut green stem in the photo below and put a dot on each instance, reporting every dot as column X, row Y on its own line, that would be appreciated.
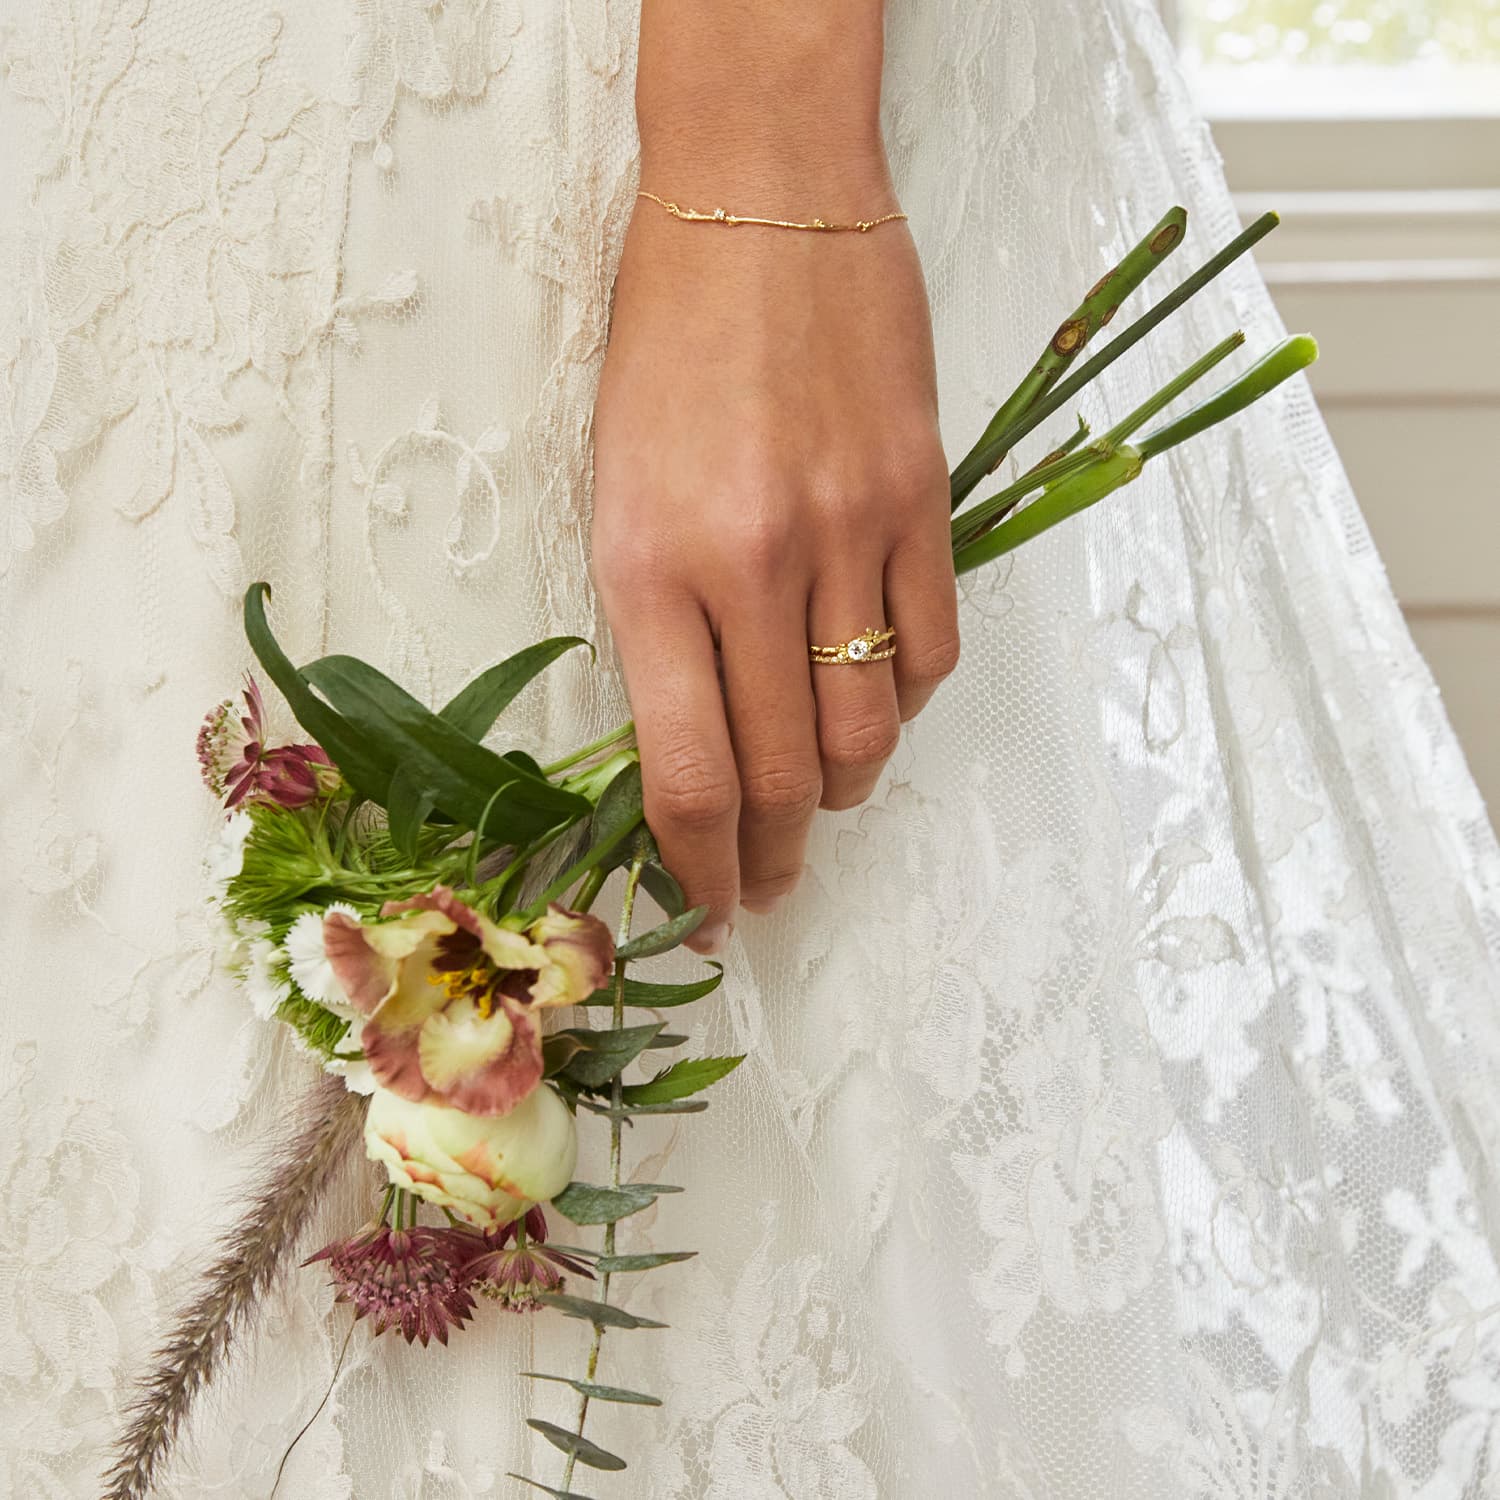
column 1090, row 485
column 1127, row 427
column 604, row 742
column 997, row 441
column 1096, row 310
column 1285, row 360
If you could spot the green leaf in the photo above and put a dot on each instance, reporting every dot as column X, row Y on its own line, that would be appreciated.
column 639, row 992
column 613, row 1263
column 367, row 767
column 547, row 1489
column 619, row 811
column 605, row 845
column 584, row 1203
column 462, row 775
column 663, row 889
column 664, row 938
column 407, row 806
column 597, row 1392
column 600, row 1314
column 558, row 1051
column 580, row 1447
column 604, row 1054
column 318, row 1026
column 680, row 1080
column 474, row 710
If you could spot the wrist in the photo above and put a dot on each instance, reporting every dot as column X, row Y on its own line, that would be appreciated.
column 761, row 100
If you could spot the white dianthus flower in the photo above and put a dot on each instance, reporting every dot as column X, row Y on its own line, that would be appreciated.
column 308, row 961
column 264, row 985
column 355, row 1071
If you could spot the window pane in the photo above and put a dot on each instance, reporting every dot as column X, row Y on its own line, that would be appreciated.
column 1323, row 32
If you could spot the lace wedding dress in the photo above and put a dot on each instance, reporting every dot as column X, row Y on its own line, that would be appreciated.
column 1121, row 1109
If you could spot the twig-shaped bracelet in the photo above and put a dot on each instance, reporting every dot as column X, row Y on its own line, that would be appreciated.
column 722, row 216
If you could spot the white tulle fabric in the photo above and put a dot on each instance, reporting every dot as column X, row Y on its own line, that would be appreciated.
column 1121, row 1109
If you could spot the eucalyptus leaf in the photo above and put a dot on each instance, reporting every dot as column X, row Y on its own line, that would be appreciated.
column 647, row 996
column 547, row 1489
column 680, row 1080
column 610, row 1264
column 580, row 1447
column 476, row 707
column 602, row 1055
column 366, row 766
column 629, row 1111
column 584, row 1203
column 558, row 1051
column 664, row 938
column 600, row 1314
column 462, row 774
column 596, row 1392
column 663, row 889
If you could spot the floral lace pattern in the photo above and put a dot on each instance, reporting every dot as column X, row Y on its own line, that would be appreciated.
column 1120, row 1115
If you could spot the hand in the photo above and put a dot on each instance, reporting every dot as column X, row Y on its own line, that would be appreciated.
column 768, row 473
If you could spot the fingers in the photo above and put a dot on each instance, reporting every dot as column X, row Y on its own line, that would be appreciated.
column 689, row 782
column 858, row 722
column 922, row 598
column 772, row 726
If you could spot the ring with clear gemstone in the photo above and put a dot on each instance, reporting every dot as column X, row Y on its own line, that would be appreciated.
column 860, row 648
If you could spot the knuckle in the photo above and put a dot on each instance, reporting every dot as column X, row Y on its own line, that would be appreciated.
column 862, row 741
column 692, row 792
column 915, row 467
column 761, row 540
column 933, row 659
column 785, row 790
column 842, row 798
column 766, row 888
column 627, row 558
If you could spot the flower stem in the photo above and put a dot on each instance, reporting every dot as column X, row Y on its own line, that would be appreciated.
column 998, row 440
column 602, row 743
column 616, row 1099
column 1096, row 310
column 588, row 892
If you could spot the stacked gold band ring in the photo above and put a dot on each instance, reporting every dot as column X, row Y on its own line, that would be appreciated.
column 857, row 651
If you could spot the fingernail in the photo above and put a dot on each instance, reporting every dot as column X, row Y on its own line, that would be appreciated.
column 712, row 939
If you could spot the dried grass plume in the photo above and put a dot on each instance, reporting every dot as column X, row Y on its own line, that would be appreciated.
column 252, row 1255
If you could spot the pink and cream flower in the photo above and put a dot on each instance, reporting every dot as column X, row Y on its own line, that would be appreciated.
column 488, row 1170
column 451, row 999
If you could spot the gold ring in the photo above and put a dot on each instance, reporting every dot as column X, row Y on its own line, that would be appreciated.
column 856, row 651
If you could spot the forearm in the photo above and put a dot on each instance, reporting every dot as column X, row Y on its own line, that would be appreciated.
column 753, row 96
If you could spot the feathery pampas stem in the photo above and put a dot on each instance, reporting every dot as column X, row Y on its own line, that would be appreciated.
column 252, row 1255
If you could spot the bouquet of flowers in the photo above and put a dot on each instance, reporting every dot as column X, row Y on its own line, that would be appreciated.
column 418, row 907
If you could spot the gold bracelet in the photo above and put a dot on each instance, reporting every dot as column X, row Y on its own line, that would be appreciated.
column 721, row 216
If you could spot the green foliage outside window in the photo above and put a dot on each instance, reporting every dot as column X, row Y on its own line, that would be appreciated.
column 1343, row 31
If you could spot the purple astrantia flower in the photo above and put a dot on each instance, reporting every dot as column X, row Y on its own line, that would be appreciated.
column 238, row 766
column 515, row 1271
column 414, row 1280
